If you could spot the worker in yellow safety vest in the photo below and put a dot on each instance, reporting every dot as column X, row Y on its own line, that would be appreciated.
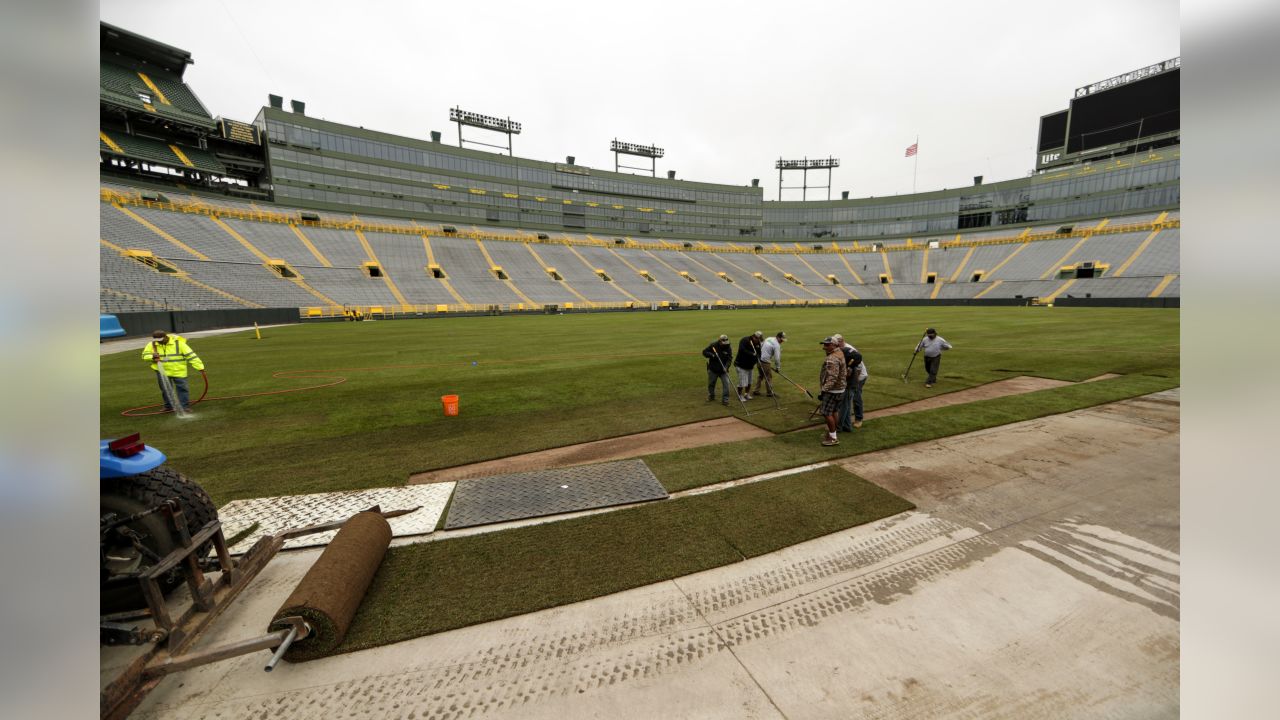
column 171, row 354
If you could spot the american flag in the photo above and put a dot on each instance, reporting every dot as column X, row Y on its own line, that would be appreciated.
column 912, row 150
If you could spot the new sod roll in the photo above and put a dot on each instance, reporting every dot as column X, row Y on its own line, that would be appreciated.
column 331, row 591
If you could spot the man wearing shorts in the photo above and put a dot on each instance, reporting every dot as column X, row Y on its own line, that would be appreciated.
column 832, row 381
column 748, row 358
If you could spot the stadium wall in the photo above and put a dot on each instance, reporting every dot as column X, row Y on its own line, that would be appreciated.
column 143, row 323
column 1159, row 302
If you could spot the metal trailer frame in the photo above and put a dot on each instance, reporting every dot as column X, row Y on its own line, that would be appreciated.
column 171, row 637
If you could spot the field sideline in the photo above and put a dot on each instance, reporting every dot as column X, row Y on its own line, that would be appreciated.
column 533, row 382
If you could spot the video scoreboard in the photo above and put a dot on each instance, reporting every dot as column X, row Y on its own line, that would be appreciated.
column 1114, row 112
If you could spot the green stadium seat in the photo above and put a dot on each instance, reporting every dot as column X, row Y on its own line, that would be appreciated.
column 123, row 86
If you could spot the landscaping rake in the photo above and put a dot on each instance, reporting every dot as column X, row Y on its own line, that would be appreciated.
column 912, row 361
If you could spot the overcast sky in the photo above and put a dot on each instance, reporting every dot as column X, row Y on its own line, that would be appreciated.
column 725, row 88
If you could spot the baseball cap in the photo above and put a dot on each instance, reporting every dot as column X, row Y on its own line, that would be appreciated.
column 782, row 335
column 931, row 330
column 159, row 334
column 724, row 338
column 827, row 341
column 757, row 334
column 837, row 337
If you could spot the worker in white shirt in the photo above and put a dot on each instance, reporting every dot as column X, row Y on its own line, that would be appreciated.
column 770, row 360
column 932, row 344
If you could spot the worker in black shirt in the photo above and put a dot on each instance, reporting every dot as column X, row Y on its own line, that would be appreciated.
column 719, row 355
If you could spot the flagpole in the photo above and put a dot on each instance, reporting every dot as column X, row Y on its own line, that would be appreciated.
column 915, row 166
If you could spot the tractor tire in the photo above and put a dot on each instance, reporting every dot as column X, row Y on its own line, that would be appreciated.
column 126, row 496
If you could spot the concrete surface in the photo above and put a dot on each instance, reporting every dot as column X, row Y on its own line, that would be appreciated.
column 1039, row 578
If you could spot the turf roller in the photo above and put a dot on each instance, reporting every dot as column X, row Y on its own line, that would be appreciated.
column 331, row 591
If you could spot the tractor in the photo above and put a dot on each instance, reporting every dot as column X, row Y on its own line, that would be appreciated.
column 140, row 500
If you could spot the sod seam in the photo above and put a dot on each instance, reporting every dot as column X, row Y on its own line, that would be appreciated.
column 695, row 467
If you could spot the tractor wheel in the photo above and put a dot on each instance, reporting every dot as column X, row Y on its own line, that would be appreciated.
column 122, row 497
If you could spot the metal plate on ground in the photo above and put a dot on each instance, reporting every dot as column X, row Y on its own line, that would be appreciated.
column 292, row 511
column 515, row 496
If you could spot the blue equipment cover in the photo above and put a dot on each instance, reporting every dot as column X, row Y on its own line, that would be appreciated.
column 111, row 466
column 109, row 327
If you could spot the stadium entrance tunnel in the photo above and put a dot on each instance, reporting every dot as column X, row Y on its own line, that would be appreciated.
column 281, row 268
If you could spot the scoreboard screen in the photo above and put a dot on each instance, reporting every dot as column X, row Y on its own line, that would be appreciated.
column 238, row 131
column 1053, row 131
column 1126, row 112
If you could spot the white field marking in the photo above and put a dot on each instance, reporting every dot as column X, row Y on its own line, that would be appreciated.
column 524, row 522
column 749, row 480
column 1100, row 577
column 275, row 514
column 280, row 513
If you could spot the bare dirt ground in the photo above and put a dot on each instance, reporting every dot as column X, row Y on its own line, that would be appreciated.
column 707, row 432
column 1000, row 388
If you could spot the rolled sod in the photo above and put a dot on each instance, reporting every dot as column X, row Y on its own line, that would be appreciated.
column 331, row 592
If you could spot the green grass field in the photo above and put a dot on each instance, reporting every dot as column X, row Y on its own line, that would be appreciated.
column 533, row 382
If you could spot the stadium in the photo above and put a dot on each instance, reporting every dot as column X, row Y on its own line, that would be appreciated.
column 516, row 350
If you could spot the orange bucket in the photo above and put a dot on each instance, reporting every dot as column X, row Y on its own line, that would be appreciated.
column 450, row 403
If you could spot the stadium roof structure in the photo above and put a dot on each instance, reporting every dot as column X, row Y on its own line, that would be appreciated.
column 142, row 78
column 151, row 52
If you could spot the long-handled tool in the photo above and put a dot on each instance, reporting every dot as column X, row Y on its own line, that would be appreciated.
column 814, row 413
column 768, row 384
column 798, row 386
column 725, row 372
column 913, row 359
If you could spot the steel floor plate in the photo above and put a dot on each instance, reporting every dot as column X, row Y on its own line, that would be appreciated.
column 290, row 511
column 515, row 496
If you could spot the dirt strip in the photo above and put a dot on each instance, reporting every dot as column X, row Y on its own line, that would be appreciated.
column 1000, row 388
column 707, row 432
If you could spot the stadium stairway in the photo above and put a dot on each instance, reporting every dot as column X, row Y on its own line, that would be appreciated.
column 639, row 281
column 582, row 277
column 527, row 274
column 504, row 275
column 296, row 279
column 443, row 278
column 385, row 272
column 791, row 276
column 552, row 271
column 690, row 284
